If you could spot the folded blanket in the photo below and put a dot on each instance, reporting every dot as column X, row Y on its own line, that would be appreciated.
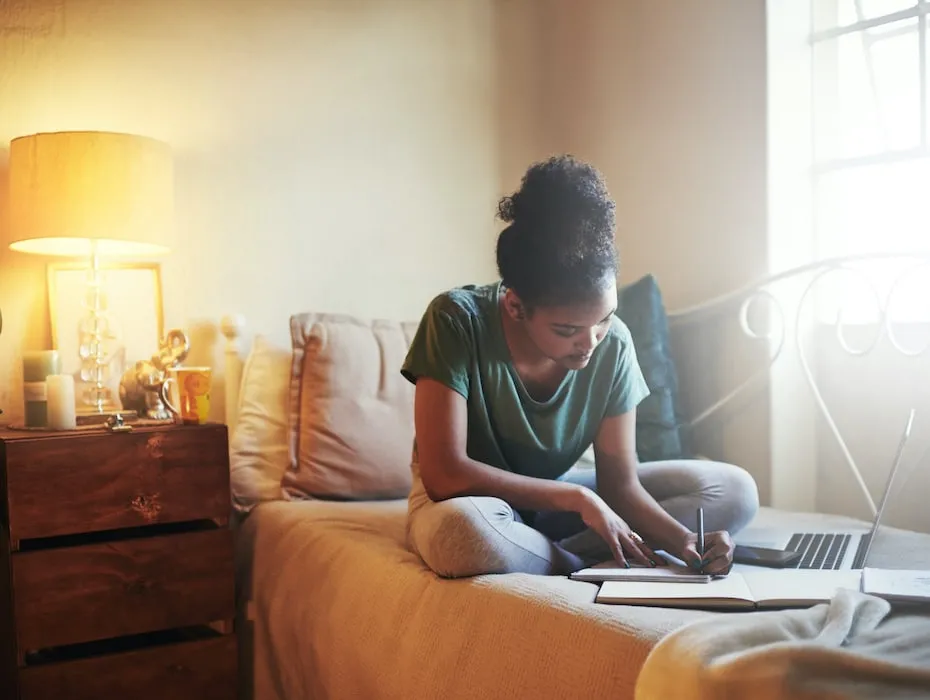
column 852, row 647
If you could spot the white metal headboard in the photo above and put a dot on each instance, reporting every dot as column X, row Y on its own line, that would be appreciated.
column 787, row 298
column 790, row 312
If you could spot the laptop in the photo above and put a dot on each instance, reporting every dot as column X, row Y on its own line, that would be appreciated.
column 835, row 550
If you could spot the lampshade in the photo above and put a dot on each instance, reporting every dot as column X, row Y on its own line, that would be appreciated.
column 72, row 189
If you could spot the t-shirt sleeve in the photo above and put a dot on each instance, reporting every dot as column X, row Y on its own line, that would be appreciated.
column 441, row 348
column 629, row 386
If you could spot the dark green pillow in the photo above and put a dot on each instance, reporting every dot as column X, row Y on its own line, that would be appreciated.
column 658, row 420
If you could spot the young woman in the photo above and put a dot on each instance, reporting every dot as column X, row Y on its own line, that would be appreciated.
column 514, row 380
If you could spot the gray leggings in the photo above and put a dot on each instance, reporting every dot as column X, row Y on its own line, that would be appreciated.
column 473, row 535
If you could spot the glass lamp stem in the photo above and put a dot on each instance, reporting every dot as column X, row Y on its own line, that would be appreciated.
column 98, row 346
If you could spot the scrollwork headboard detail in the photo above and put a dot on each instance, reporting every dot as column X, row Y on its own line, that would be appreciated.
column 787, row 304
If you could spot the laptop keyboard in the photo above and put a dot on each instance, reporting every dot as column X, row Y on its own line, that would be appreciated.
column 825, row 550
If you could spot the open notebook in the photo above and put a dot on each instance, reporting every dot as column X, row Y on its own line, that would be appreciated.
column 798, row 588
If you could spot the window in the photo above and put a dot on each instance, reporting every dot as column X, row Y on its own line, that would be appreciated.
column 871, row 173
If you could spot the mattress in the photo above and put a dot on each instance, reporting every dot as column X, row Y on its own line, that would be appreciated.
column 334, row 606
column 340, row 608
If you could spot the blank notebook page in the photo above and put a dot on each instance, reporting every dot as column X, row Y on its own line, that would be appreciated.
column 798, row 586
column 730, row 588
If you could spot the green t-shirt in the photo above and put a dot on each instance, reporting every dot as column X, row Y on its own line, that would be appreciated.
column 460, row 342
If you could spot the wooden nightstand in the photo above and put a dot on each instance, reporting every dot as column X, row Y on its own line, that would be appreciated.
column 116, row 565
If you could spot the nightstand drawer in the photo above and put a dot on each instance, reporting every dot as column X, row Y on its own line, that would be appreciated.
column 99, row 481
column 201, row 670
column 78, row 594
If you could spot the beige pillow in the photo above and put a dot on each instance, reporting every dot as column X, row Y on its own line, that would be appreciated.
column 258, row 447
column 351, row 411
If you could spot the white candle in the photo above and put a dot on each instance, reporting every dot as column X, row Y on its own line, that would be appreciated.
column 61, row 406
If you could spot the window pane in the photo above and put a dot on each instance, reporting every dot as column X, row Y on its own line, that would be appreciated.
column 872, row 209
column 867, row 91
column 875, row 209
column 870, row 9
column 841, row 13
column 896, row 63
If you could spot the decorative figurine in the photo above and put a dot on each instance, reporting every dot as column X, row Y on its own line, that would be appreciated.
column 140, row 388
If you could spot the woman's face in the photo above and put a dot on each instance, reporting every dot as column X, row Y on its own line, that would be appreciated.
column 569, row 334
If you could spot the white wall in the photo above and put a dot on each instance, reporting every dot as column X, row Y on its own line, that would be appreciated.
column 337, row 155
column 668, row 99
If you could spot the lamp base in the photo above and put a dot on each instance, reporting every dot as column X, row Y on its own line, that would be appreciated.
column 91, row 416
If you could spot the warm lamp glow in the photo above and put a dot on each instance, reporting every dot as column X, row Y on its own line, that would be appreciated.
column 83, row 248
column 75, row 191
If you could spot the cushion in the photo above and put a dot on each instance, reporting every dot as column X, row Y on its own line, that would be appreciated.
column 258, row 447
column 332, row 418
column 659, row 431
column 351, row 410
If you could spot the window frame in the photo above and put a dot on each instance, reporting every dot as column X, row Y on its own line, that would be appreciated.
column 920, row 11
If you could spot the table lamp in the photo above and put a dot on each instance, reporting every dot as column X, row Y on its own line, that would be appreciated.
column 94, row 195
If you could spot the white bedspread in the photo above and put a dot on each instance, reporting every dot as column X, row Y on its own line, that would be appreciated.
column 341, row 610
column 852, row 648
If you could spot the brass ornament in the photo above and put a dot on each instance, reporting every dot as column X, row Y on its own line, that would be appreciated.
column 140, row 387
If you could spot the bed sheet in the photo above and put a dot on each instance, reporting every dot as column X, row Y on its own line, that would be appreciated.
column 339, row 608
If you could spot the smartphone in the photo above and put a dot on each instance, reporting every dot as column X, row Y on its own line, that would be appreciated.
column 760, row 556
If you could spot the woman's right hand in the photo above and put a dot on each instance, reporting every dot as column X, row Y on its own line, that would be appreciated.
column 623, row 542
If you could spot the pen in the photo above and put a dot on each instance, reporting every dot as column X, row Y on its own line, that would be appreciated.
column 700, row 535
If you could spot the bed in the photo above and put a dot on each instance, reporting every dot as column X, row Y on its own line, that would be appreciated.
column 332, row 604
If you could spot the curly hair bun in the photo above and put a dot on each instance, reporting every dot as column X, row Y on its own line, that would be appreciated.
column 561, row 227
column 560, row 190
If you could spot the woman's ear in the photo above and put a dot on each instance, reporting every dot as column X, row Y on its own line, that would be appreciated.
column 514, row 306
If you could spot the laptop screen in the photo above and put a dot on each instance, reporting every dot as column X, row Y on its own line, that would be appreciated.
column 889, row 484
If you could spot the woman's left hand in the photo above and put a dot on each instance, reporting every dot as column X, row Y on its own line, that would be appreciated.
column 718, row 552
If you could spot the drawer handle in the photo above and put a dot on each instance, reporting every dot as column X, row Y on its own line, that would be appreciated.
column 147, row 507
